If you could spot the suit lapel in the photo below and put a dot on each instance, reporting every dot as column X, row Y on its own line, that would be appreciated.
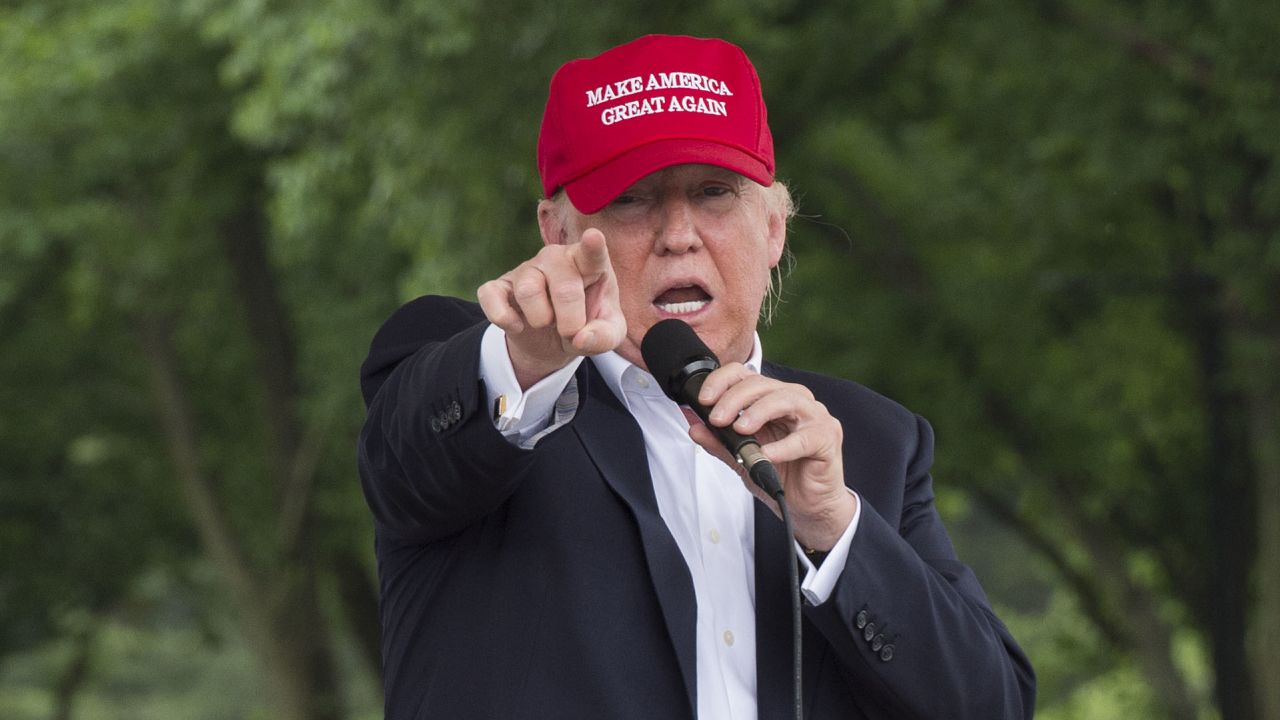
column 615, row 443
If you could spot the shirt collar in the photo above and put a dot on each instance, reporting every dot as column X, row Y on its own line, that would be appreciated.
column 623, row 377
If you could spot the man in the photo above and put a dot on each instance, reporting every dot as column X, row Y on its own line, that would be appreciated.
column 556, row 538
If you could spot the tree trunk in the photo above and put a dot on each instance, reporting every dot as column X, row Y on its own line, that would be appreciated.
column 278, row 609
column 360, row 605
column 1228, row 471
column 311, row 678
column 73, row 677
column 304, row 671
column 1149, row 635
column 1263, row 401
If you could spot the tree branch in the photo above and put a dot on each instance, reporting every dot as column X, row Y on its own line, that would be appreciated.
column 270, row 330
column 177, row 420
column 295, row 496
column 1084, row 587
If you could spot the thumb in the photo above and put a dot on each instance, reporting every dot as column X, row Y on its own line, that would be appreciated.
column 600, row 335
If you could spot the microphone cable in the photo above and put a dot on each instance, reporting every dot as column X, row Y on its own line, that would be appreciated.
column 769, row 479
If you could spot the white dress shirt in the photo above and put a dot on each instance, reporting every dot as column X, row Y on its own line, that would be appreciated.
column 708, row 511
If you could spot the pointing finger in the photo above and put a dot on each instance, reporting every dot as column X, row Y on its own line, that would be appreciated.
column 591, row 255
column 566, row 292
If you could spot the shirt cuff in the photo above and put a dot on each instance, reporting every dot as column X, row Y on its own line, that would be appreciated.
column 821, row 580
column 518, row 414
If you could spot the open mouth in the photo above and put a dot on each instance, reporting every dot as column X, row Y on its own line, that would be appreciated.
column 683, row 300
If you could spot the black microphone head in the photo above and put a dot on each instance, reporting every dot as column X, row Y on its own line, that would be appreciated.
column 669, row 348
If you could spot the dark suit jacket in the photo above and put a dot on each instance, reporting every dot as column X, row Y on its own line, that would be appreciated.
column 544, row 584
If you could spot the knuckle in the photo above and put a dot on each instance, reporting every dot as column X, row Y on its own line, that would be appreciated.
column 802, row 444
column 564, row 292
column 527, row 287
column 797, row 392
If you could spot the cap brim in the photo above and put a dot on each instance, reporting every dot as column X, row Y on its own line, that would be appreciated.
column 597, row 188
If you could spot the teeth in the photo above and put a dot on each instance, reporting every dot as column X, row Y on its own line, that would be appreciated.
column 683, row 307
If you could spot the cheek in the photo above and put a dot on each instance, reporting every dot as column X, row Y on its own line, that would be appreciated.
column 747, row 275
column 629, row 269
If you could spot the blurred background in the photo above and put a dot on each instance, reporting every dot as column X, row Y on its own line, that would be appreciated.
column 1052, row 227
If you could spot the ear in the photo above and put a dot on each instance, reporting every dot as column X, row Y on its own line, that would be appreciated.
column 551, row 223
column 776, row 229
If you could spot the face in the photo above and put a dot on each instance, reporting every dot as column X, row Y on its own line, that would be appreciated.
column 694, row 242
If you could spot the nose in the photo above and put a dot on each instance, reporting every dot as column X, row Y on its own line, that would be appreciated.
column 677, row 232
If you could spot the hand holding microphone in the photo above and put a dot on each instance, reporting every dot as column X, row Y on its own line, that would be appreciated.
column 765, row 423
column 681, row 362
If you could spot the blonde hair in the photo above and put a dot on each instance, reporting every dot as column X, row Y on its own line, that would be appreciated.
column 779, row 196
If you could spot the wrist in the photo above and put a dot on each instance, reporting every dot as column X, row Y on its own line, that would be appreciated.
column 818, row 532
column 530, row 367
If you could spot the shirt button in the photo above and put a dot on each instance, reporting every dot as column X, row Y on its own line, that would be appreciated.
column 642, row 381
column 715, row 536
column 728, row 638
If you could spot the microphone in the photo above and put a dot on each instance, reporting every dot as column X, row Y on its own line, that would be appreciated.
column 680, row 362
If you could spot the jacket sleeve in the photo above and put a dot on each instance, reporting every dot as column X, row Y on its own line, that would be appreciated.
column 431, row 461
column 909, row 621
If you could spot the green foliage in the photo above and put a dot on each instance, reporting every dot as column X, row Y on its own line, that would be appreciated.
column 1016, row 219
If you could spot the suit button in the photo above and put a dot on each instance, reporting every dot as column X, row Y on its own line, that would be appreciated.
column 877, row 642
column 455, row 411
column 861, row 619
column 869, row 632
column 886, row 653
column 435, row 424
column 444, row 419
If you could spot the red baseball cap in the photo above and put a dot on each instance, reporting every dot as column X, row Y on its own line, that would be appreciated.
column 656, row 101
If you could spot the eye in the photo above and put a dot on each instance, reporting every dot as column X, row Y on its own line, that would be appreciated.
column 630, row 206
column 717, row 194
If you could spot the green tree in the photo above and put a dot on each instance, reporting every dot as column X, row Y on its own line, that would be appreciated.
column 123, row 171
column 1050, row 228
